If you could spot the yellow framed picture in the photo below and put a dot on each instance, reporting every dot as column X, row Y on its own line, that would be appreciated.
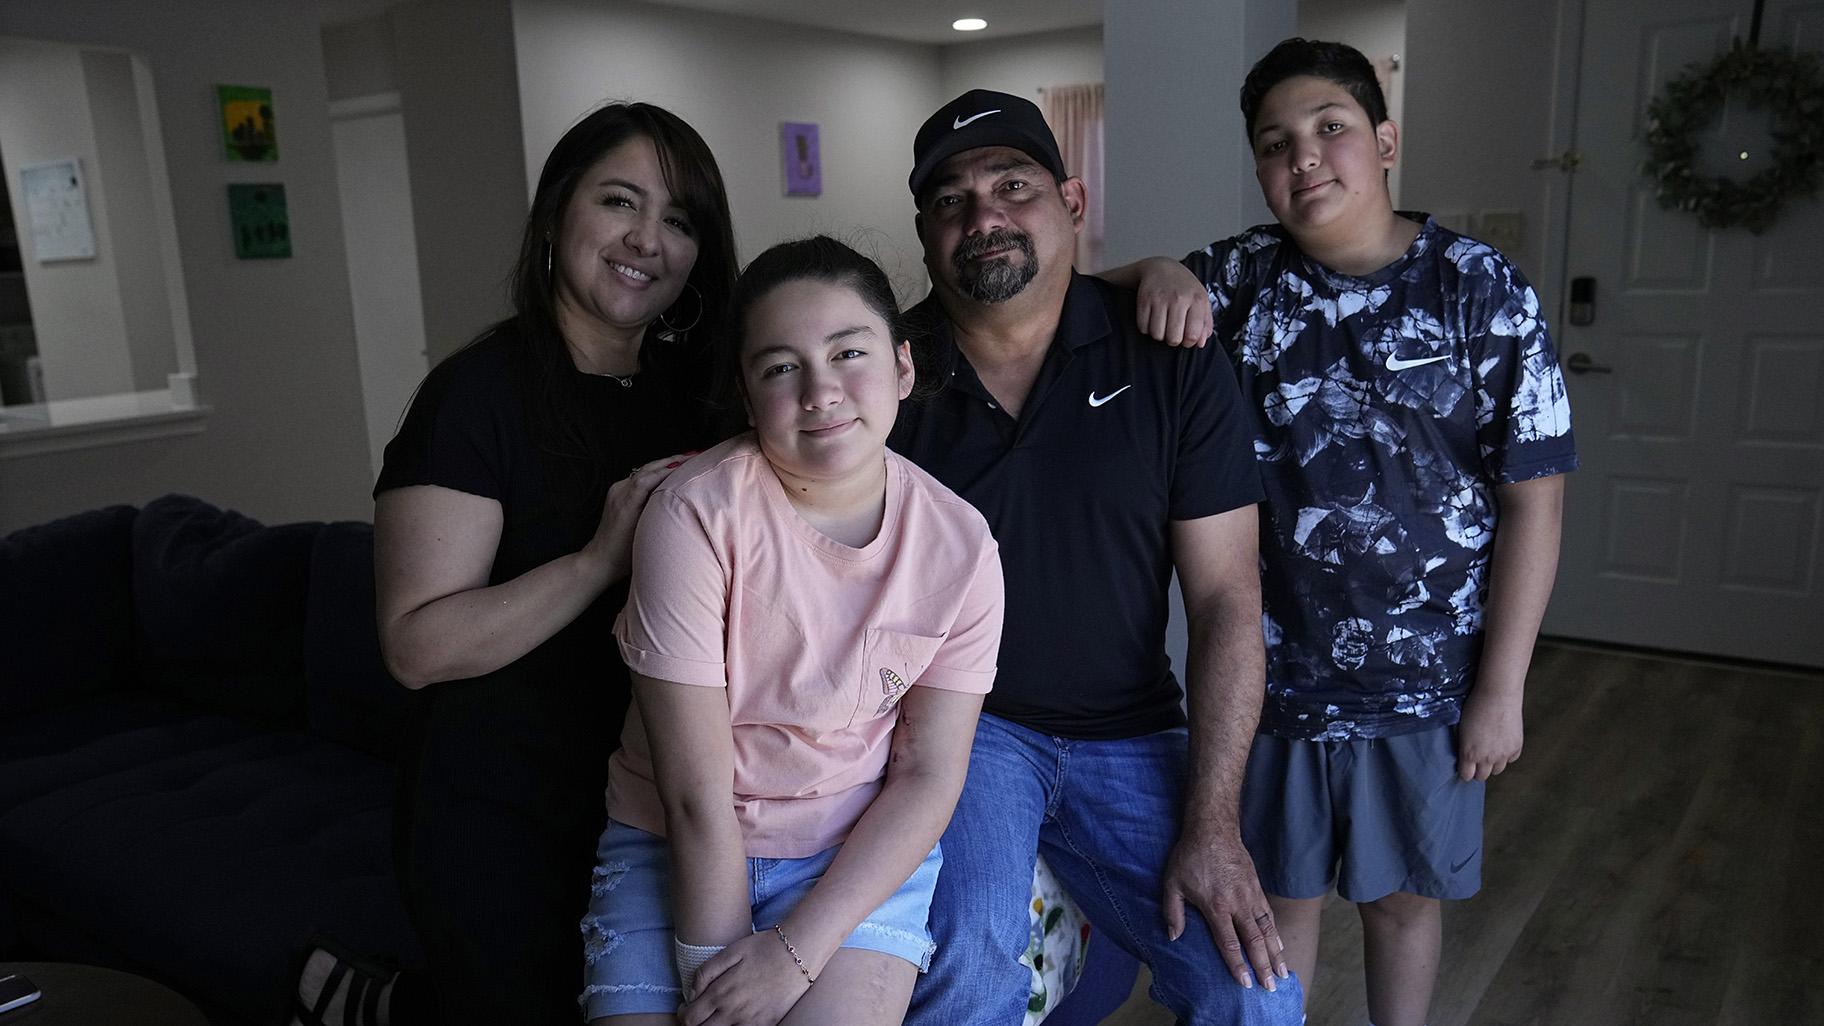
column 247, row 129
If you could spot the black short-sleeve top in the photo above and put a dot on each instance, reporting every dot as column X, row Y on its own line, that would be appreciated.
column 468, row 429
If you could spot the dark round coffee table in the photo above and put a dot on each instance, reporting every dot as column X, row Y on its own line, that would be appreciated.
column 87, row 995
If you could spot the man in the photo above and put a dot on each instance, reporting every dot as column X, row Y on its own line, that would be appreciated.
column 1102, row 461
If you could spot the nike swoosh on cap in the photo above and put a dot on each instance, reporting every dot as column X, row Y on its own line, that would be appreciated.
column 1394, row 363
column 1094, row 401
column 960, row 122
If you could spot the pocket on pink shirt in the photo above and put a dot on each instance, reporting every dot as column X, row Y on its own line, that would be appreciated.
column 892, row 661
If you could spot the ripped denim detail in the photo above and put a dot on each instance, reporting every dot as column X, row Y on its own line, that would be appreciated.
column 598, row 940
column 624, row 988
column 906, row 937
column 606, row 877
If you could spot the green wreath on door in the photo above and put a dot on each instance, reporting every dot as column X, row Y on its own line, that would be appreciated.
column 1789, row 86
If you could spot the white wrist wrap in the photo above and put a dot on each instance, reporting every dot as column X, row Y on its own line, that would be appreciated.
column 690, row 958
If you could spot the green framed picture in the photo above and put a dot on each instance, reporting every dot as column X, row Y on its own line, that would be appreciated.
column 247, row 128
column 262, row 229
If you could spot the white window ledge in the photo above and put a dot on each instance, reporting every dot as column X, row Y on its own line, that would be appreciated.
column 102, row 420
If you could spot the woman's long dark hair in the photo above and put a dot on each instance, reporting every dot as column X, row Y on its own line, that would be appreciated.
column 555, row 404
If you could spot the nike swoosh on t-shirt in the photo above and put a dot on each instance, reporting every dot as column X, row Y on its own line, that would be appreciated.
column 1394, row 363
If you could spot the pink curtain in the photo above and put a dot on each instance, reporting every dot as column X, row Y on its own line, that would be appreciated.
column 1075, row 115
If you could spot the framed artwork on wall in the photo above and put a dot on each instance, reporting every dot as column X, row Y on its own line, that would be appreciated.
column 247, row 127
column 803, row 166
column 262, row 228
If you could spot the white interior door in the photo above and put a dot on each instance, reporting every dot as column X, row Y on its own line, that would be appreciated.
column 376, row 191
column 1696, row 521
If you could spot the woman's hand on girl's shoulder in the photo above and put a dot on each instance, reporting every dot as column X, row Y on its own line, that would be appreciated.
column 752, row 982
column 611, row 549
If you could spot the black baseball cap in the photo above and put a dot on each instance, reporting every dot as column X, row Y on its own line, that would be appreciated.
column 982, row 117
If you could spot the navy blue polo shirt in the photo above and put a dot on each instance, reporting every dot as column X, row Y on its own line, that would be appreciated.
column 1119, row 436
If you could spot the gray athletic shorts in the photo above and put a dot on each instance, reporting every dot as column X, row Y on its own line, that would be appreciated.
column 1372, row 816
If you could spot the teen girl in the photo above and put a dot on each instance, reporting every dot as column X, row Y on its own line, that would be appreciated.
column 812, row 625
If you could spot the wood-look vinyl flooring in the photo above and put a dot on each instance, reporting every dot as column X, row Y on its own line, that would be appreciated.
column 1655, row 858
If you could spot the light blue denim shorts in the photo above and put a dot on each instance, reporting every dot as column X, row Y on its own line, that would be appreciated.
column 627, row 955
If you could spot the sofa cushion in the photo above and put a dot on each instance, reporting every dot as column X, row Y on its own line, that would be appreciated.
column 209, row 850
column 67, row 609
column 219, row 602
column 350, row 696
column 96, row 736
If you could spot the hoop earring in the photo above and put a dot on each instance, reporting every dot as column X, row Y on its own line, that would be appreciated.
column 674, row 329
column 548, row 248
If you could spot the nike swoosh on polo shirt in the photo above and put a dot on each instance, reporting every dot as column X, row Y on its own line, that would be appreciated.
column 1095, row 401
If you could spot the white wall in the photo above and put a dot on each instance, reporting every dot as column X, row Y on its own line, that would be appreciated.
column 384, row 280
column 1375, row 27
column 359, row 58
column 274, row 342
column 1178, row 165
column 1022, row 65
column 124, row 175
column 76, row 308
column 1479, row 98
column 459, row 92
column 734, row 79
column 448, row 68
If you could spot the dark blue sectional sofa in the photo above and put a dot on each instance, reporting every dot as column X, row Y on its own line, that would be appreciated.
column 196, row 744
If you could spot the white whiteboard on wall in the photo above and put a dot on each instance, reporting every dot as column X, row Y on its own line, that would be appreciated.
column 59, row 211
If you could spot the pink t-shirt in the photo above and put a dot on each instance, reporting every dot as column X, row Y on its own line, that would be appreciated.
column 815, row 641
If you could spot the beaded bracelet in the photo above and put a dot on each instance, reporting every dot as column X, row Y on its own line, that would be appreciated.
column 799, row 962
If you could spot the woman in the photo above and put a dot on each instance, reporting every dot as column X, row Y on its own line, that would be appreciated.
column 812, row 626
column 502, row 550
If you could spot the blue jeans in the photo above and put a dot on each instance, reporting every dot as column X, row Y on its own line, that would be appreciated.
column 1105, row 814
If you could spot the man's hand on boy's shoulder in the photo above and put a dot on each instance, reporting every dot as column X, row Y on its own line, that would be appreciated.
column 1489, row 735
column 1170, row 304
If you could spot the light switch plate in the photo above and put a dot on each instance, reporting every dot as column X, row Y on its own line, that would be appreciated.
column 1503, row 229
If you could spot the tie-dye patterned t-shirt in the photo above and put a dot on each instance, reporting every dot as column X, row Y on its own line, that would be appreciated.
column 1388, row 409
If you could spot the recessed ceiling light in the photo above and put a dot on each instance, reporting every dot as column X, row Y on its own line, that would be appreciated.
column 969, row 24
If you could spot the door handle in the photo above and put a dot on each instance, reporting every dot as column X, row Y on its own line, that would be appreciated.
column 1583, row 363
column 1568, row 162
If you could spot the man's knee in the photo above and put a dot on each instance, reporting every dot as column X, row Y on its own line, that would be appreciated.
column 981, row 910
column 981, row 926
column 1217, row 1000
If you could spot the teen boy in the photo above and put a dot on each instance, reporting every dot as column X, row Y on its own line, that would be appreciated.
column 1411, row 424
